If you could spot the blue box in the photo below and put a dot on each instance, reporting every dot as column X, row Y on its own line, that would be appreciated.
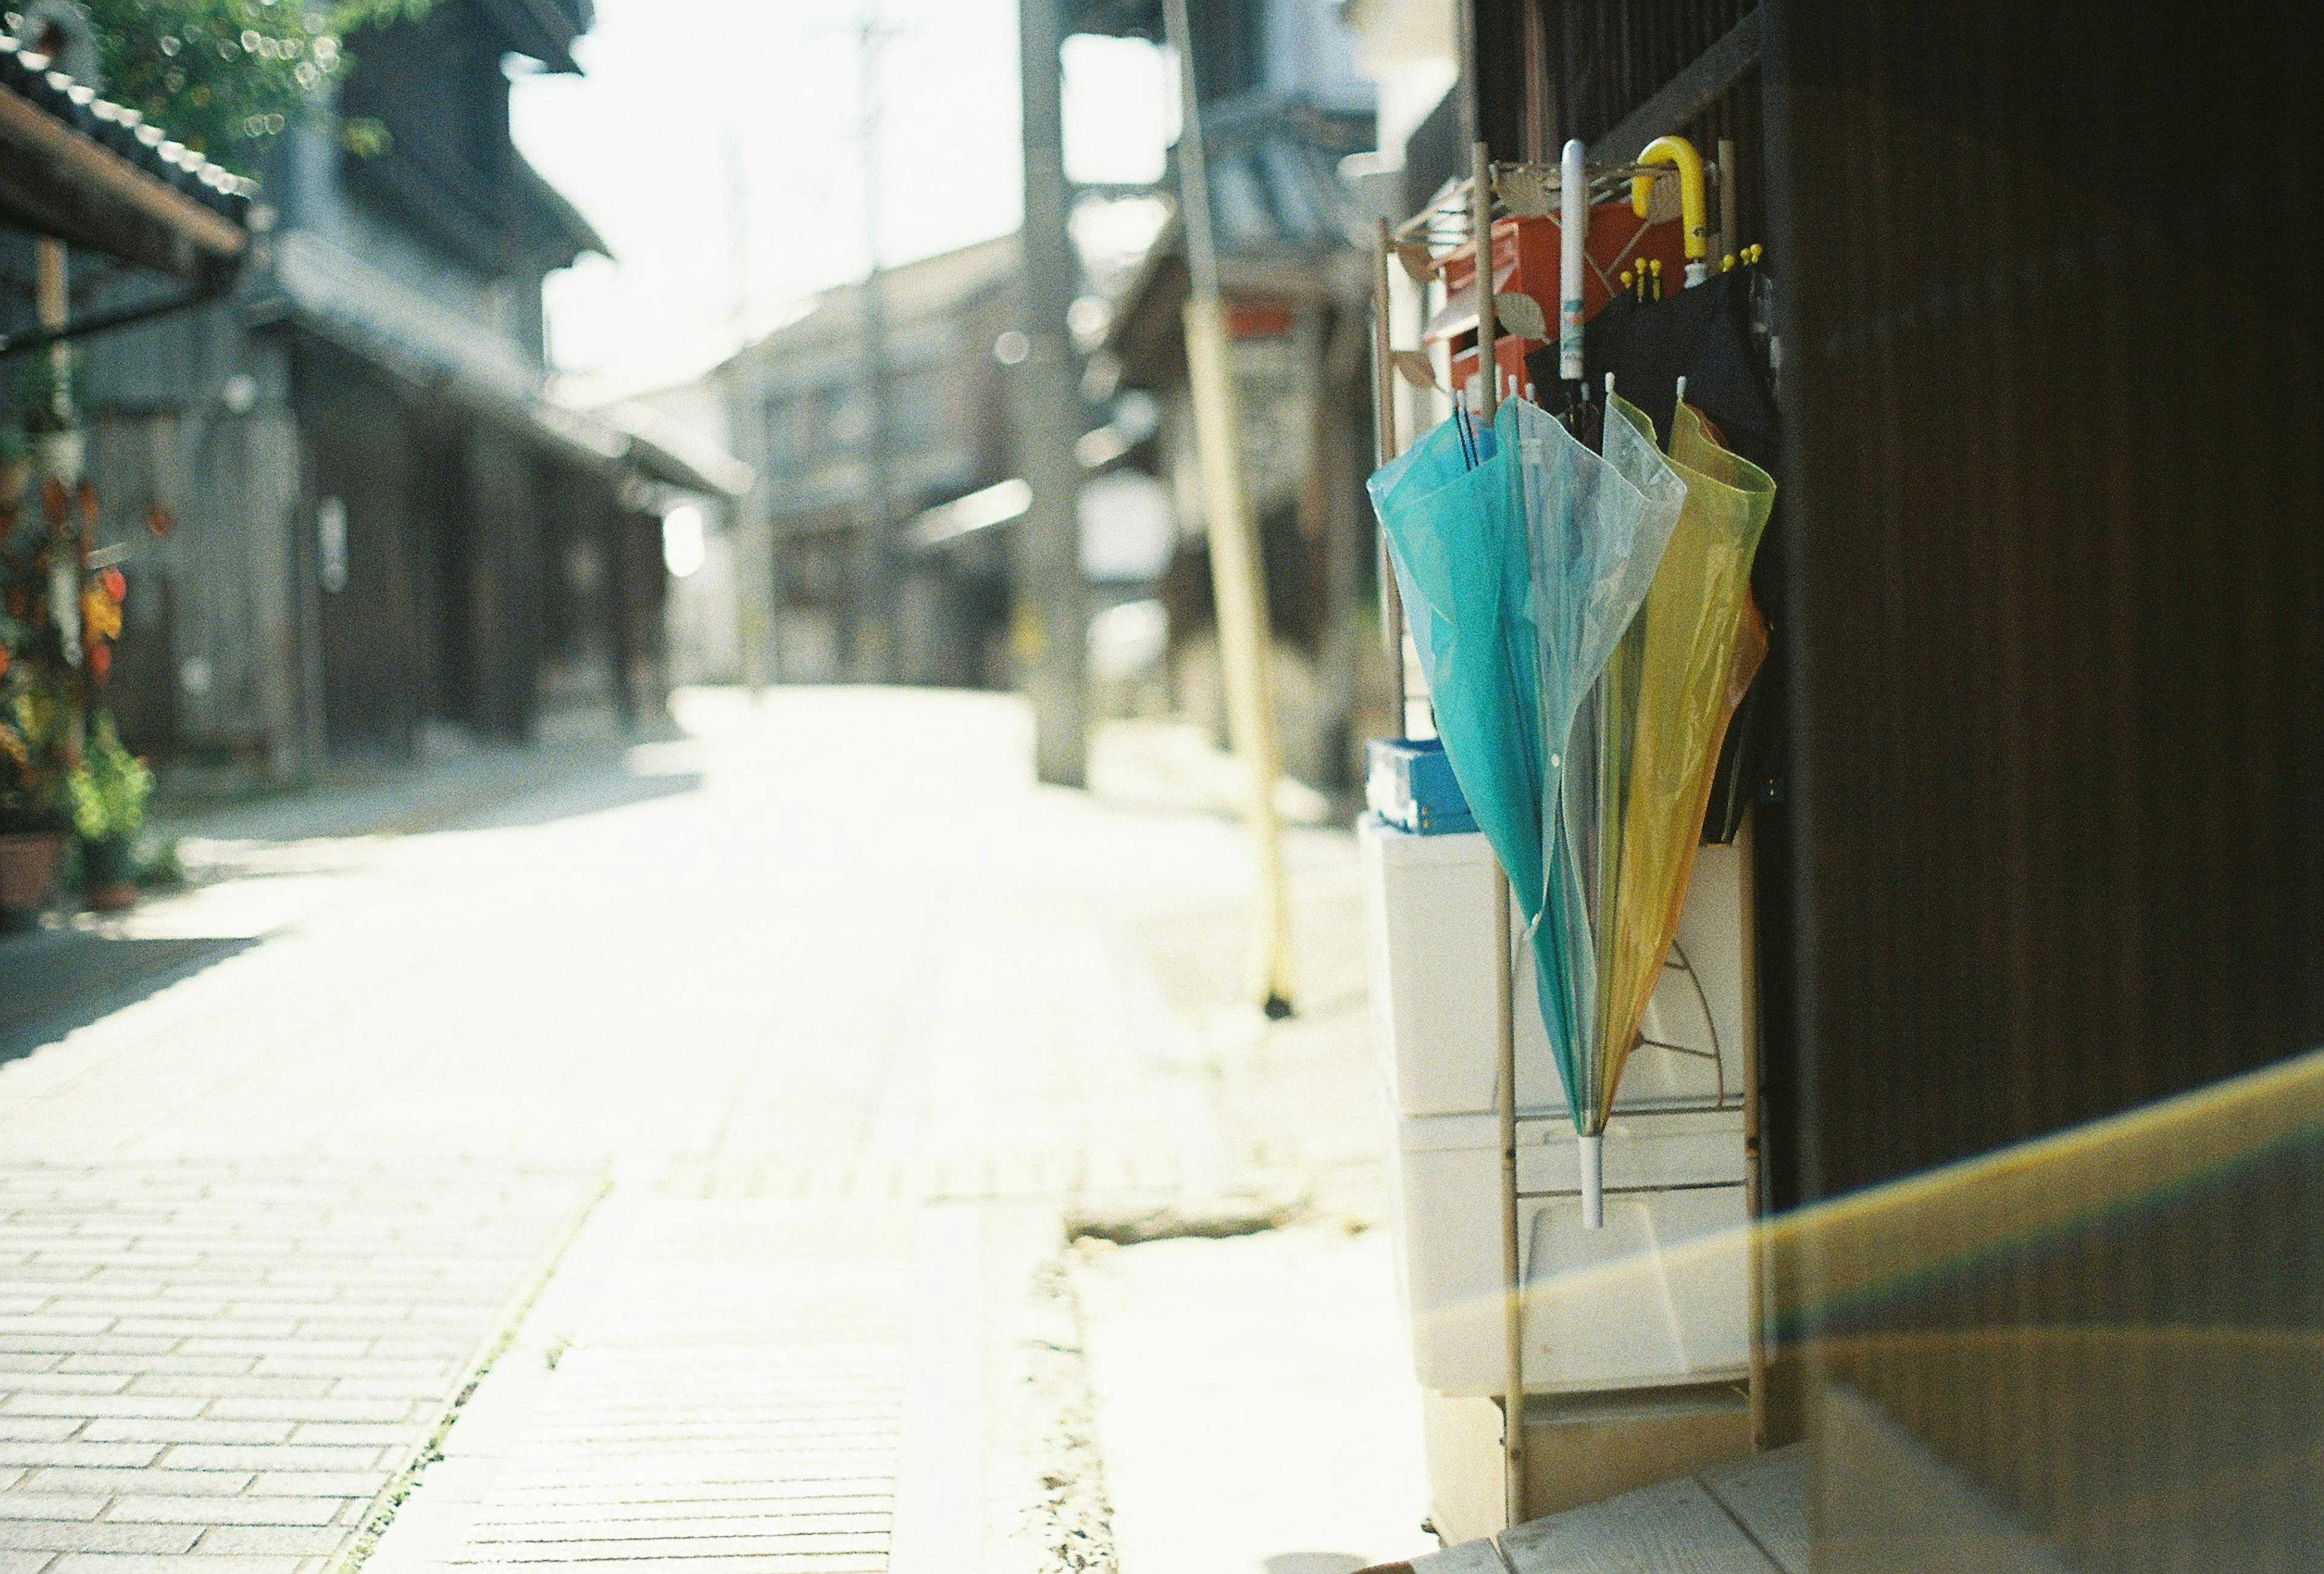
column 1408, row 783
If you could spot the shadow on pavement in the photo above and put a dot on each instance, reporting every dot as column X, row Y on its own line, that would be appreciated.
column 488, row 789
column 57, row 980
column 593, row 793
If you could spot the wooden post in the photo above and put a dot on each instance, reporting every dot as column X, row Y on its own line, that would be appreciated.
column 1238, row 579
column 1385, row 447
column 53, row 304
column 1489, row 378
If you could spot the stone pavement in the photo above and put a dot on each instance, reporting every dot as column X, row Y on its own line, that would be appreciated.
column 233, row 1359
column 846, row 1011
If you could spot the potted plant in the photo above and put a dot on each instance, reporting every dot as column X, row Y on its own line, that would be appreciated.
column 38, row 729
column 35, row 724
column 107, row 793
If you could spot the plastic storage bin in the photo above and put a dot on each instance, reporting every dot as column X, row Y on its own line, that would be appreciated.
column 1430, row 928
column 1660, row 1297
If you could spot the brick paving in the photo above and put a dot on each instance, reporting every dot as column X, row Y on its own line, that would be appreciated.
column 232, row 1361
column 796, row 985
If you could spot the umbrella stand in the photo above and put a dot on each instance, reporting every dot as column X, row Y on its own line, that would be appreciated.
column 1237, row 576
column 1505, row 1095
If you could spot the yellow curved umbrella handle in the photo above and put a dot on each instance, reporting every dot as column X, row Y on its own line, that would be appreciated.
column 1679, row 152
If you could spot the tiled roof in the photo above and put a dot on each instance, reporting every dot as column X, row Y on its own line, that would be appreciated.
column 123, row 131
column 369, row 314
column 1285, row 222
column 1275, row 176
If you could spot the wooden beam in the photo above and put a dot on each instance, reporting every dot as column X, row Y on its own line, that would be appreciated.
column 1684, row 95
column 86, row 178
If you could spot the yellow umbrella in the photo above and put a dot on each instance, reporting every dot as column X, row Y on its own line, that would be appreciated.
column 1691, row 653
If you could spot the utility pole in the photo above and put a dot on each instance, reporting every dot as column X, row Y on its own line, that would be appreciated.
column 875, row 655
column 736, row 169
column 1048, row 623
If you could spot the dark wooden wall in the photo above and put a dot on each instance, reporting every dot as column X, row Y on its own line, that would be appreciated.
column 2048, row 841
column 2055, row 639
column 2059, row 597
column 444, row 616
column 449, row 169
column 375, row 653
column 504, row 591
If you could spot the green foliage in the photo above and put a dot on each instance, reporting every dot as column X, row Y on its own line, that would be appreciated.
column 225, row 76
column 108, row 791
column 42, row 396
column 35, row 726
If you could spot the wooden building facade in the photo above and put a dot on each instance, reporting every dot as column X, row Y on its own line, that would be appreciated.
column 799, row 409
column 358, row 522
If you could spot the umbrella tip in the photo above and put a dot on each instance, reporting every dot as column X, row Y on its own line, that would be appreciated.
column 1276, row 1008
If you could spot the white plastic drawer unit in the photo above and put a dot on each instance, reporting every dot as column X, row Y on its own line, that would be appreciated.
column 1660, row 1295
column 1430, row 928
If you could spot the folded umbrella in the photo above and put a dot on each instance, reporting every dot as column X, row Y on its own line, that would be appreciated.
column 1596, row 560
column 1520, row 574
column 1683, row 667
column 1703, row 334
column 1449, row 507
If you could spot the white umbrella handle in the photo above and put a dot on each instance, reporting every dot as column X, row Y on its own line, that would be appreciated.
column 1573, row 236
column 1593, row 1182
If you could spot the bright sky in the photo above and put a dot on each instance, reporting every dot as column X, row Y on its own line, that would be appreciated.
column 686, row 104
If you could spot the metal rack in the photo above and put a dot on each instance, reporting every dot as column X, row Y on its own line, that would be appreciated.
column 1460, row 216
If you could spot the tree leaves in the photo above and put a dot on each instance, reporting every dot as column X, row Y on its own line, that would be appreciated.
column 226, row 77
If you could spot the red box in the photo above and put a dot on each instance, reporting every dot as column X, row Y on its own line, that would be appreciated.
column 1526, row 262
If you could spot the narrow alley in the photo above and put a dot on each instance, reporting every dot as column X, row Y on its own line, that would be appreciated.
column 727, row 1103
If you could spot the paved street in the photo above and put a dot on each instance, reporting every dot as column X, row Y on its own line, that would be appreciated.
column 719, row 1099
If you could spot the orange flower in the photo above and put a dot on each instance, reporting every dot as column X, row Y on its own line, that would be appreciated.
column 100, row 615
column 101, row 661
column 117, row 585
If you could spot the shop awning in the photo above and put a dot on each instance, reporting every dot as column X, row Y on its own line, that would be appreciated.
column 95, row 175
column 675, row 455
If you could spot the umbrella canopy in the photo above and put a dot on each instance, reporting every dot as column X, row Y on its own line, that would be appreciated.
column 1585, row 622
column 1666, row 696
column 1520, row 572
column 1450, row 507
column 1706, row 336
column 1598, row 527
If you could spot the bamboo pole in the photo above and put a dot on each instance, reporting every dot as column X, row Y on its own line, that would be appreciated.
column 1238, row 577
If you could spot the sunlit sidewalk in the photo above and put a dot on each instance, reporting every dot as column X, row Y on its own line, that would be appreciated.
column 825, row 1016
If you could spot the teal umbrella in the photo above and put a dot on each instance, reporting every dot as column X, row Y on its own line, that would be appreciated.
column 1455, row 523
column 1523, row 557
